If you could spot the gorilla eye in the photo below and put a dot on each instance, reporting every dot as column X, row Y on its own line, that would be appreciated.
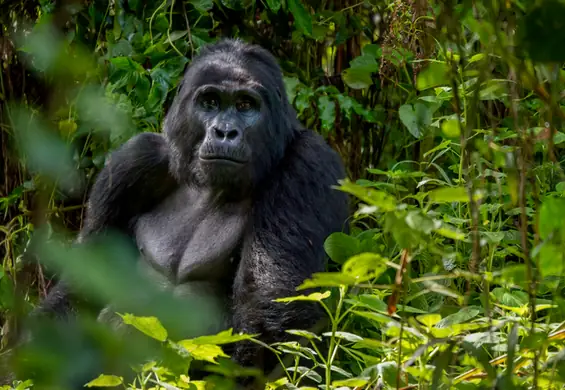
column 210, row 102
column 244, row 105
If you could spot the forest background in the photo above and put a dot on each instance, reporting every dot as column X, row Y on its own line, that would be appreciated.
column 448, row 115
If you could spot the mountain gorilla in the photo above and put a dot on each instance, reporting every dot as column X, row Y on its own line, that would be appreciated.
column 234, row 198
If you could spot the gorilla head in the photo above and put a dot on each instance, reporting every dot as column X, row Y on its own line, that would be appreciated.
column 231, row 121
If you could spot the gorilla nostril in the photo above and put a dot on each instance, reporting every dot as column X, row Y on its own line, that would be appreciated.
column 232, row 134
column 225, row 134
column 219, row 133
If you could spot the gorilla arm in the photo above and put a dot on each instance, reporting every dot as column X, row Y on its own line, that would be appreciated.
column 134, row 178
column 296, row 210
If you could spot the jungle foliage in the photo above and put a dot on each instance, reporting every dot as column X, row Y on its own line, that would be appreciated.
column 448, row 114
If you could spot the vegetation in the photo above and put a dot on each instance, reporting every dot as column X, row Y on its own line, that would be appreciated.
column 449, row 116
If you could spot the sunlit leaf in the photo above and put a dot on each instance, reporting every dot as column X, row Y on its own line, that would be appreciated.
column 365, row 266
column 206, row 352
column 351, row 382
column 151, row 326
column 429, row 320
column 383, row 201
column 435, row 74
column 328, row 279
column 452, row 194
column 343, row 335
column 224, row 337
column 314, row 297
column 450, row 128
column 106, row 381
column 463, row 315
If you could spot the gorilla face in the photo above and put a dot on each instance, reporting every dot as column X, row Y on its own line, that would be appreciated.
column 229, row 119
column 229, row 123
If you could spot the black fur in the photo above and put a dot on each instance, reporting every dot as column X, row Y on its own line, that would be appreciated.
column 272, row 215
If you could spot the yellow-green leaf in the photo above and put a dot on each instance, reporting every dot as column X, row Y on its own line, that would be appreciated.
column 452, row 194
column 151, row 326
column 206, row 352
column 437, row 73
column 451, row 128
column 317, row 297
column 429, row 320
column 365, row 266
column 224, row 337
column 106, row 381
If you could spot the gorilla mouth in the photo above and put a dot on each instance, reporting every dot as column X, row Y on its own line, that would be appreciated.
column 221, row 158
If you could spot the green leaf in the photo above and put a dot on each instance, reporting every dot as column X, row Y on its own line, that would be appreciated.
column 106, row 381
column 459, row 317
column 340, row 246
column 437, row 73
column 202, row 6
column 327, row 112
column 205, row 352
column 302, row 18
column 514, row 298
column 477, row 57
column 315, row 297
column 446, row 143
column 274, row 5
column 224, row 337
column 552, row 218
column 451, row 194
column 365, row 266
column 449, row 233
column 344, row 336
column 350, row 383
column 380, row 199
column 420, row 222
column 365, row 63
column 416, row 118
column 304, row 333
column 551, row 260
column 356, row 79
column 373, row 302
column 327, row 279
column 451, row 128
column 151, row 326
column 429, row 320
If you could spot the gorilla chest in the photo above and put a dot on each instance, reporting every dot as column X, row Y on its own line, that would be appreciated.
column 188, row 237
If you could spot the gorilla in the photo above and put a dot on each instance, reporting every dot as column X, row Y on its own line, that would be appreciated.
column 233, row 201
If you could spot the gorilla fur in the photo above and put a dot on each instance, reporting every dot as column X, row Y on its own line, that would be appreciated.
column 234, row 192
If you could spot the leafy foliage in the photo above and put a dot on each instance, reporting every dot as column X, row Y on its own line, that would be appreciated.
column 448, row 114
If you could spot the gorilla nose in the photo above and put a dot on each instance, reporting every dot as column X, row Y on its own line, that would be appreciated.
column 228, row 134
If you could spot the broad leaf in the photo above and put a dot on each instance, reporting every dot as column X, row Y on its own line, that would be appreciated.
column 340, row 247
column 106, row 381
column 365, row 266
column 435, row 74
column 356, row 79
column 302, row 18
column 206, row 352
column 151, row 326
column 416, row 118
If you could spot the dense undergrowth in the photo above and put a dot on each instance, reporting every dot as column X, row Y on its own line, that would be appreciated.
column 449, row 117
